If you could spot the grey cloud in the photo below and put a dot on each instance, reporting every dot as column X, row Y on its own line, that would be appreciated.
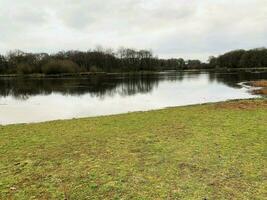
column 189, row 28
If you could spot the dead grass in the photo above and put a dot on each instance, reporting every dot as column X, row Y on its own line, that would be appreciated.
column 261, row 83
column 262, row 91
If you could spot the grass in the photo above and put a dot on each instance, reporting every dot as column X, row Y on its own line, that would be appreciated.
column 212, row 151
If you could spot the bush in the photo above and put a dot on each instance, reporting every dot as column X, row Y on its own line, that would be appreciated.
column 94, row 69
column 24, row 68
column 60, row 67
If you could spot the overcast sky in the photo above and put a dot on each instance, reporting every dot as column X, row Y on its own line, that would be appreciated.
column 172, row 28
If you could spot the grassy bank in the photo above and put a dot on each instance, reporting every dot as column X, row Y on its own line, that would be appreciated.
column 213, row 151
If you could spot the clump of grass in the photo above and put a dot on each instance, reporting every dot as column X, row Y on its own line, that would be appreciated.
column 263, row 87
column 262, row 91
column 260, row 83
column 213, row 151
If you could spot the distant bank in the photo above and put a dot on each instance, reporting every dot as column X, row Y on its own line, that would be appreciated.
column 122, row 61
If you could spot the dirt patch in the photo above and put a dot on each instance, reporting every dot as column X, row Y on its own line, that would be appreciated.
column 242, row 105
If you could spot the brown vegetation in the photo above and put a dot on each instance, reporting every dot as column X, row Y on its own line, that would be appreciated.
column 262, row 91
column 60, row 66
column 263, row 87
column 261, row 83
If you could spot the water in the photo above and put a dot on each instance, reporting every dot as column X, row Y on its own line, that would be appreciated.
column 24, row 100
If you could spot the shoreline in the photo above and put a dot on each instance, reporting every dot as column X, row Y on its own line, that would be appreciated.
column 136, row 112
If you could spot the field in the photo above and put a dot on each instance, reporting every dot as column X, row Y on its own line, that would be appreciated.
column 211, row 151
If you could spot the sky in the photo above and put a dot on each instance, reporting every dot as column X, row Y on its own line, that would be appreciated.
column 194, row 29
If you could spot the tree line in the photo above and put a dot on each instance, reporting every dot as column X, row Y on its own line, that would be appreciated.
column 122, row 60
column 254, row 58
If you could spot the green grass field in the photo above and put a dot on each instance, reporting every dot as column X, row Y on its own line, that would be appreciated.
column 212, row 151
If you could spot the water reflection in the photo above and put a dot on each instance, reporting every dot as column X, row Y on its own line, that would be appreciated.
column 109, row 85
column 99, row 86
column 231, row 79
column 42, row 99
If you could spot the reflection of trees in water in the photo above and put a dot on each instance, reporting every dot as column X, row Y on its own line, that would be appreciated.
column 99, row 86
column 110, row 85
column 181, row 75
column 231, row 79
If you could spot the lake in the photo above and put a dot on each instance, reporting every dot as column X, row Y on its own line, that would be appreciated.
column 24, row 100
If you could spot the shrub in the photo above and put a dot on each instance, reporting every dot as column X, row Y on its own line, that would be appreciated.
column 94, row 69
column 24, row 68
column 60, row 67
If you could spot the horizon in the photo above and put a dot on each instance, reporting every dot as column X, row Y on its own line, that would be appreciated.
column 116, row 50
